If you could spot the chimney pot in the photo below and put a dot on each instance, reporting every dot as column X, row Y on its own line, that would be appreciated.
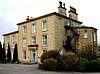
column 31, row 17
column 64, row 5
column 27, row 18
column 60, row 4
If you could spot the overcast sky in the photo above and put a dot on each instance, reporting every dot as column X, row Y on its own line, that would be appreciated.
column 15, row 11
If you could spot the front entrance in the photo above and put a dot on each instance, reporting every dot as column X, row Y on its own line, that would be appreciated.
column 34, row 56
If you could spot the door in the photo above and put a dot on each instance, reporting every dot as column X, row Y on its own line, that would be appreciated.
column 34, row 56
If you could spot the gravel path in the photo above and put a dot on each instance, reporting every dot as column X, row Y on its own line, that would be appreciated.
column 29, row 69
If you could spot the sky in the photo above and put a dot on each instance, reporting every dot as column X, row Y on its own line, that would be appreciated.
column 16, row 11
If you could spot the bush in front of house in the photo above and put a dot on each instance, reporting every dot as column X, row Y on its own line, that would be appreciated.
column 49, row 64
column 59, row 66
column 69, row 60
column 88, row 52
column 81, row 65
column 94, row 65
column 50, row 54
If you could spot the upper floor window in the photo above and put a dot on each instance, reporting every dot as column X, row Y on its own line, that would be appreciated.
column 94, row 36
column 85, row 34
column 24, row 30
column 24, row 42
column 44, row 25
column 33, row 40
column 13, row 40
column 44, row 40
column 33, row 28
column 7, row 40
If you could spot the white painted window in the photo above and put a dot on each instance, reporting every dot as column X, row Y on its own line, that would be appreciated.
column 44, row 26
column 33, row 28
column 44, row 50
column 12, row 53
column 44, row 40
column 24, row 42
column 24, row 30
column 94, row 35
column 85, row 34
column 7, row 40
column 33, row 40
column 24, row 55
column 13, row 40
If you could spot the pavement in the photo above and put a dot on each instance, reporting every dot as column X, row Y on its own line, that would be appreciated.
column 29, row 69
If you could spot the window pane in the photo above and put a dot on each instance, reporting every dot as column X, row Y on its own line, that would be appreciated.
column 44, row 50
column 44, row 25
column 85, row 34
column 24, row 30
column 24, row 41
column 44, row 40
column 94, row 35
column 24, row 54
column 7, row 40
column 33, row 40
column 33, row 28
column 13, row 40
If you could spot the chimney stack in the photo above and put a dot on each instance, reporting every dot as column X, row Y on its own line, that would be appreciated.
column 62, row 9
column 73, row 14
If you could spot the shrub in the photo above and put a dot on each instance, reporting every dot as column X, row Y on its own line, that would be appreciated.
column 59, row 66
column 12, row 61
column 50, row 54
column 88, row 53
column 49, row 64
column 69, row 60
column 40, row 66
column 93, row 65
column 81, row 65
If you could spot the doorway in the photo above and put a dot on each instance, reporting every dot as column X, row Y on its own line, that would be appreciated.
column 34, row 56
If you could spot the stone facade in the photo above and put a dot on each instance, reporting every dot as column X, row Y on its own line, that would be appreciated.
column 30, row 44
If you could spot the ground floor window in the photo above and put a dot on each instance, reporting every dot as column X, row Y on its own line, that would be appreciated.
column 44, row 50
column 12, row 53
column 24, row 55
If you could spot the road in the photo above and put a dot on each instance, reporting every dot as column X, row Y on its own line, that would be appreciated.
column 29, row 69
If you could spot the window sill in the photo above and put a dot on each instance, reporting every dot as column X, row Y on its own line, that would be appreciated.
column 24, row 46
column 44, row 45
column 44, row 30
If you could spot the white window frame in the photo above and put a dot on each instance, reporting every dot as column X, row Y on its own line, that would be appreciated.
column 44, row 50
column 94, row 36
column 12, row 53
column 13, row 40
column 7, row 40
column 24, row 30
column 24, row 55
column 44, row 25
column 33, row 40
column 85, row 35
column 24, row 42
column 34, row 28
column 44, row 40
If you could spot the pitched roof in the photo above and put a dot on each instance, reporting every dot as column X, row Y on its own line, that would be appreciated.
column 10, row 33
column 83, row 26
column 50, row 14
